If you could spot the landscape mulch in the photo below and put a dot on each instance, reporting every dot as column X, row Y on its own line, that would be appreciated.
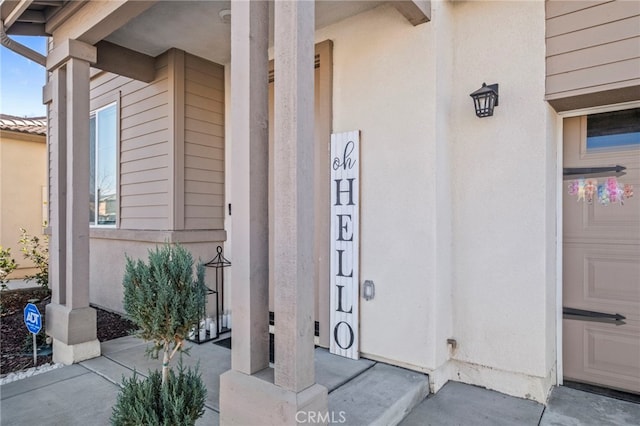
column 16, row 350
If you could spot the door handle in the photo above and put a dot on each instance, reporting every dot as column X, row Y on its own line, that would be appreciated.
column 584, row 315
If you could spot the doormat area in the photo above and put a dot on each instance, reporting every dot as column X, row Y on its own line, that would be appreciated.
column 598, row 390
column 226, row 343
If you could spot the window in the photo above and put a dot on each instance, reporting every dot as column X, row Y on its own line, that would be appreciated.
column 618, row 129
column 102, row 166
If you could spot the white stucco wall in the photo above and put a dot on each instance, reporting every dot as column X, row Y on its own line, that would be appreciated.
column 22, row 178
column 504, row 199
column 457, row 213
column 383, row 77
column 108, row 262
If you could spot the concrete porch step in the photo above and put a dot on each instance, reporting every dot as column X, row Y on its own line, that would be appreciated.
column 461, row 404
column 382, row 395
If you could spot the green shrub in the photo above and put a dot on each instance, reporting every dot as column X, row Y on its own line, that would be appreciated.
column 163, row 299
column 7, row 265
column 38, row 252
column 148, row 402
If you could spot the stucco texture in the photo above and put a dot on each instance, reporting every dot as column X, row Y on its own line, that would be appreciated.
column 381, row 69
column 108, row 261
column 457, row 212
column 504, row 192
column 23, row 175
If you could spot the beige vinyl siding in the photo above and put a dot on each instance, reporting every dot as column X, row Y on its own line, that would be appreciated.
column 185, row 103
column 203, row 144
column 144, row 146
column 591, row 47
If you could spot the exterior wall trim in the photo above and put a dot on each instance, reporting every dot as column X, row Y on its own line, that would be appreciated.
column 103, row 101
column 21, row 136
column 599, row 109
column 171, row 237
column 176, row 107
column 70, row 49
column 559, row 244
column 324, row 56
column 94, row 105
column 580, row 99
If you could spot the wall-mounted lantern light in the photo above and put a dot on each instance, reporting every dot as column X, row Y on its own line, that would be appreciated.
column 484, row 99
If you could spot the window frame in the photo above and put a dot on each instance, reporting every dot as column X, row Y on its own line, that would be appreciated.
column 601, row 153
column 629, row 123
column 97, row 105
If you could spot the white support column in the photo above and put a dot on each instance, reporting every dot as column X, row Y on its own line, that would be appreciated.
column 70, row 321
column 250, row 156
column 293, row 175
column 289, row 396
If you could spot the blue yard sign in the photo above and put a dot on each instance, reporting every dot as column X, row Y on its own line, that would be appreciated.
column 32, row 318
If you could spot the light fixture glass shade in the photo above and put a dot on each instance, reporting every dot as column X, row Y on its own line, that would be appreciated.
column 485, row 99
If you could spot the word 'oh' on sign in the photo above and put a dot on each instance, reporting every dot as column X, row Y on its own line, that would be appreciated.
column 32, row 318
column 345, row 235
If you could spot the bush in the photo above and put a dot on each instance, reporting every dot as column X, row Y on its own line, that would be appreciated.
column 38, row 252
column 148, row 402
column 7, row 265
column 163, row 299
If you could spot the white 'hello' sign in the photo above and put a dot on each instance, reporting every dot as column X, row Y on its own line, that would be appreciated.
column 345, row 234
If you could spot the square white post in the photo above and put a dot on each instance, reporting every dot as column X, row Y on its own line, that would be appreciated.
column 70, row 321
column 250, row 157
column 290, row 395
column 293, row 176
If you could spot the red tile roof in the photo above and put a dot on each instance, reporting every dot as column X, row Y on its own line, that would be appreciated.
column 32, row 125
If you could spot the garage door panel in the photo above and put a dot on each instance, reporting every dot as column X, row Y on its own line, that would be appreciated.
column 602, row 277
column 603, row 354
column 612, row 351
column 576, row 154
column 592, row 221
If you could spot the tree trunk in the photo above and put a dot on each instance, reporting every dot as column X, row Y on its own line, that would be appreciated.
column 165, row 363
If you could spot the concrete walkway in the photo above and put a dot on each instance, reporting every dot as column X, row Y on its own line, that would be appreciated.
column 361, row 393
column 460, row 404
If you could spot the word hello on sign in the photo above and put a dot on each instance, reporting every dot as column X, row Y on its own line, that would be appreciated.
column 345, row 235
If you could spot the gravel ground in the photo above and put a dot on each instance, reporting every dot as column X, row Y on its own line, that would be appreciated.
column 16, row 351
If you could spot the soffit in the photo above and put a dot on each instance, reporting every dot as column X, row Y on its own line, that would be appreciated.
column 196, row 27
column 32, row 19
column 193, row 26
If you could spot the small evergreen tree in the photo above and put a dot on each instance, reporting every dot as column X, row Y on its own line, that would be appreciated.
column 164, row 301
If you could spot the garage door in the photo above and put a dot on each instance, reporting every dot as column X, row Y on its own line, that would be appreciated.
column 601, row 252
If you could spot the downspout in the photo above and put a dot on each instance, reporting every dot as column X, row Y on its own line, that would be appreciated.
column 20, row 49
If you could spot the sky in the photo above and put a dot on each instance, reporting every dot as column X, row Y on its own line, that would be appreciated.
column 21, row 80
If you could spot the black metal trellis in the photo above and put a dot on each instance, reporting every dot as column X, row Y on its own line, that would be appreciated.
column 219, row 262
